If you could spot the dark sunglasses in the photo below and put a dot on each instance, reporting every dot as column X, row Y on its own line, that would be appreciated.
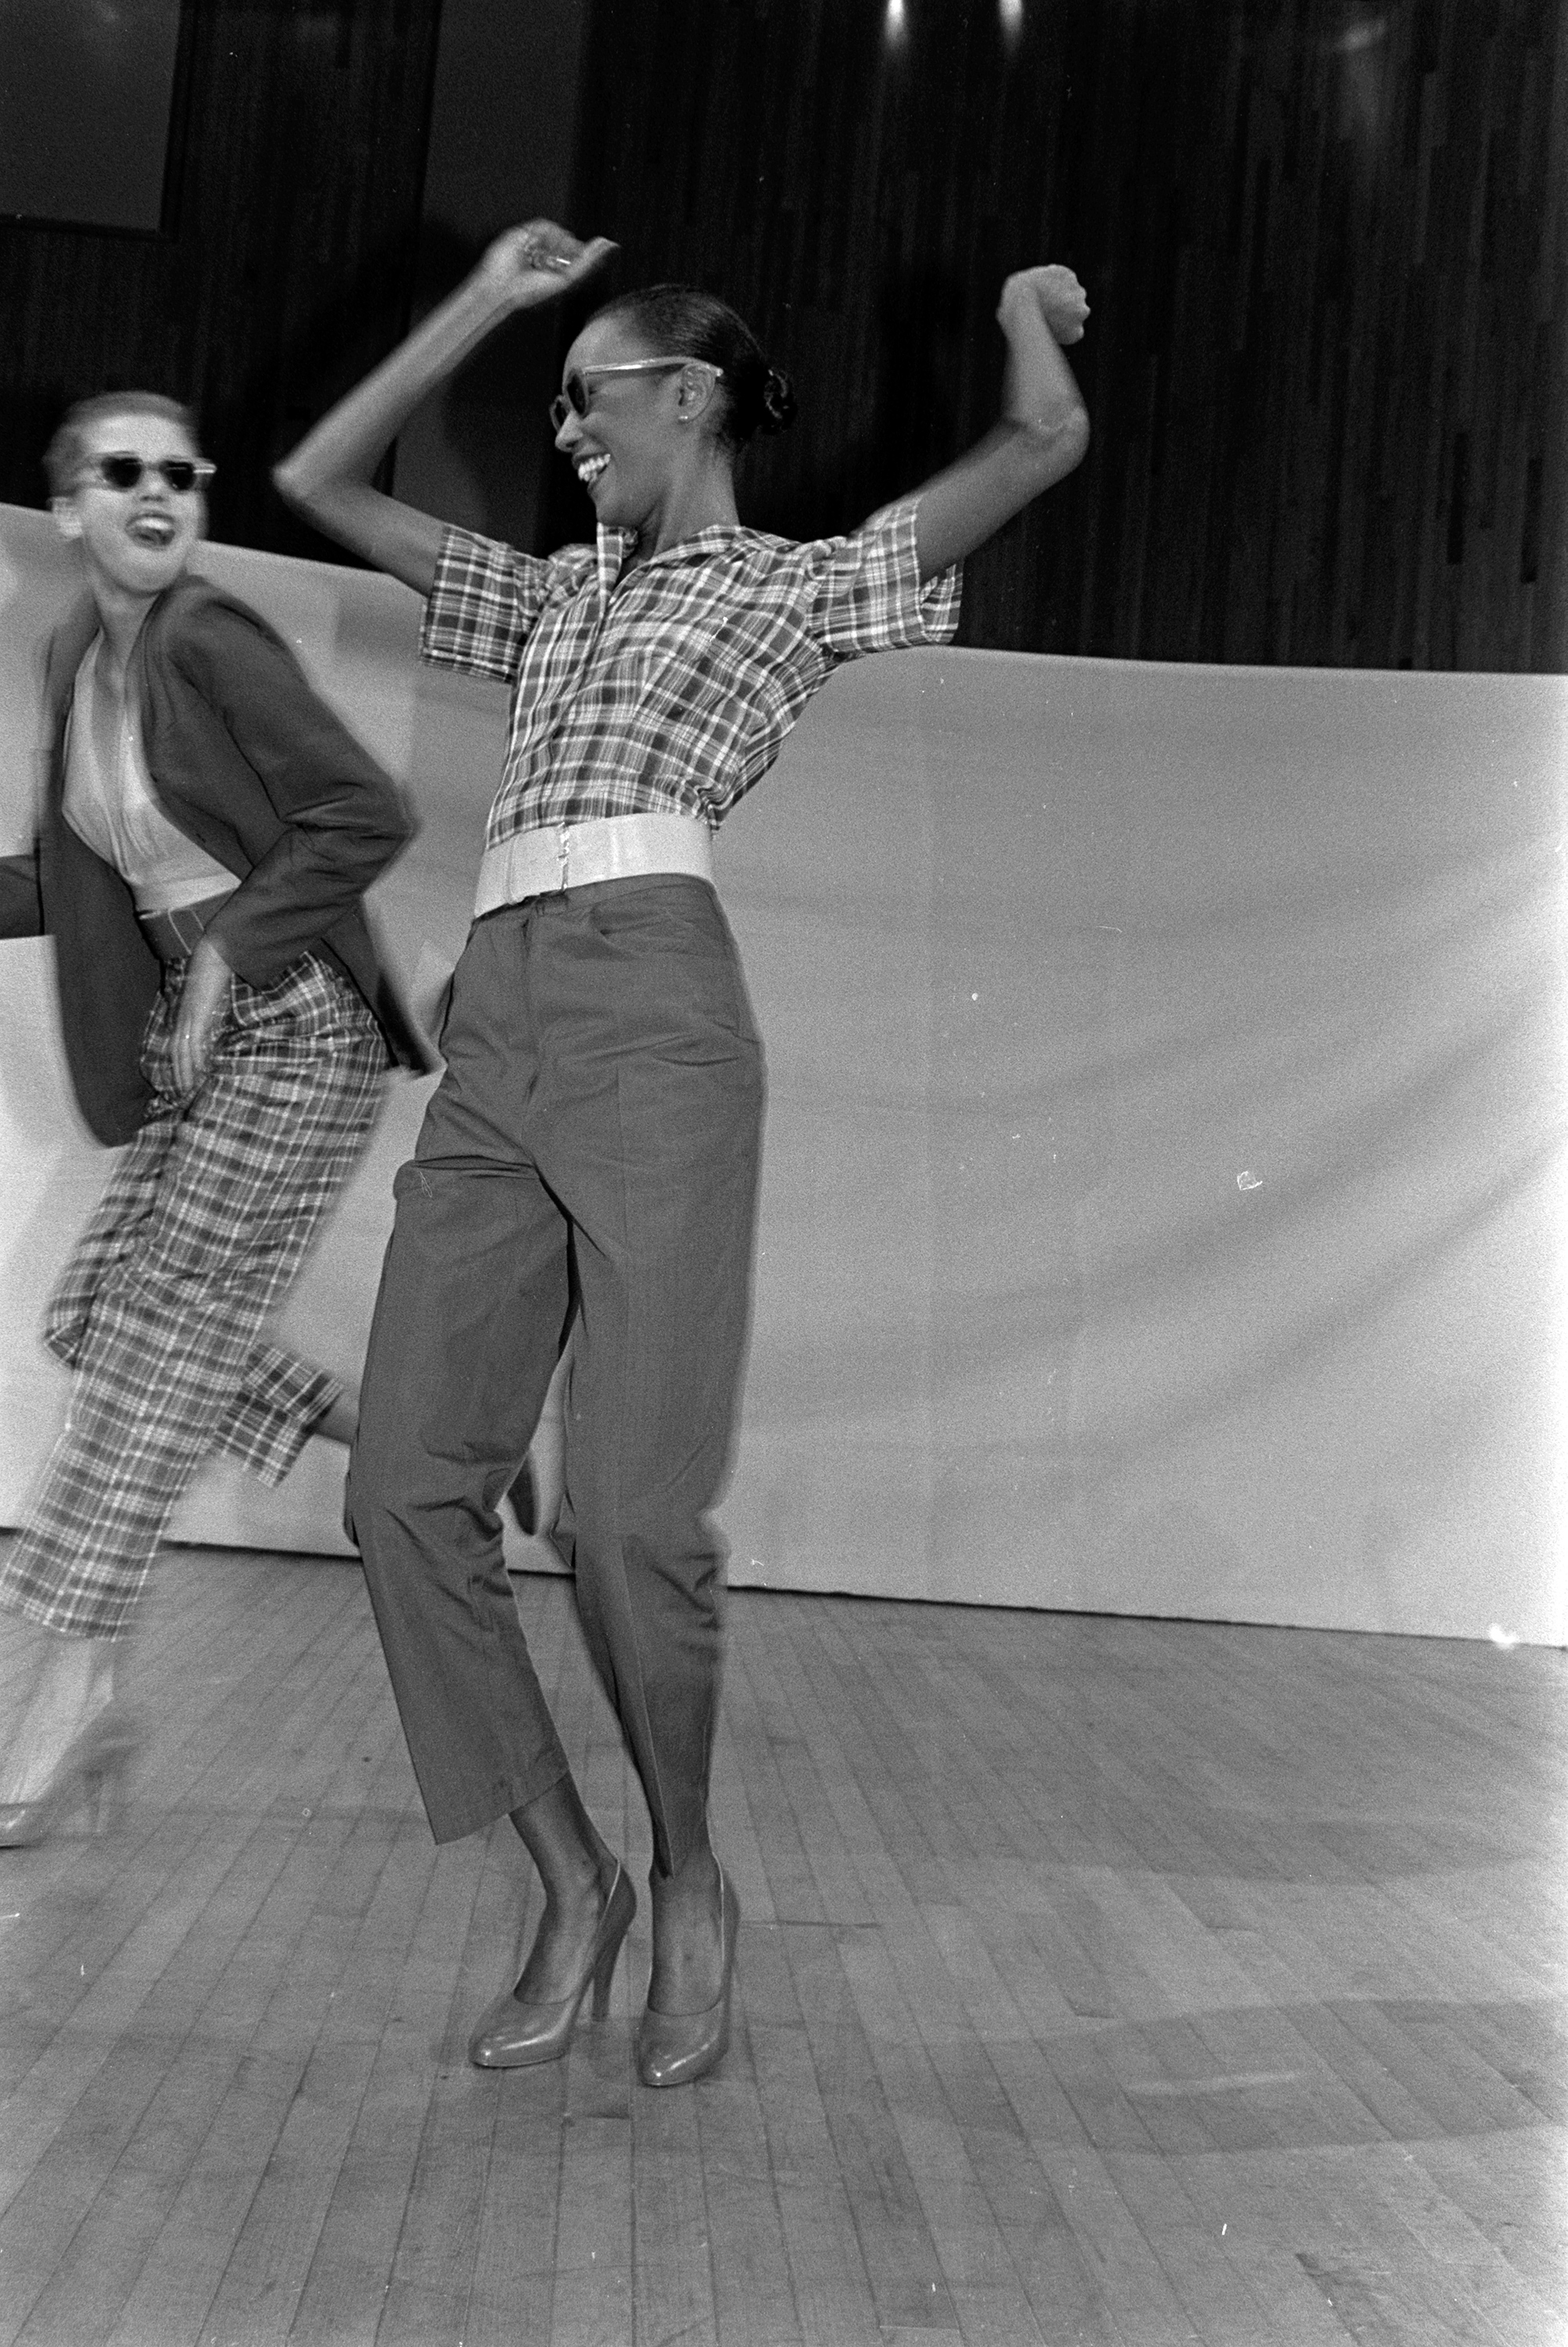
column 572, row 399
column 180, row 474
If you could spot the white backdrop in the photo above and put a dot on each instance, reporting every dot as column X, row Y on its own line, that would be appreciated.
column 1164, row 1184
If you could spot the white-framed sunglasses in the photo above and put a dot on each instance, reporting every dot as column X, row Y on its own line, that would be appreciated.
column 572, row 399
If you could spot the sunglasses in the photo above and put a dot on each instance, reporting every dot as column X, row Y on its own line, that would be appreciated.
column 573, row 397
column 180, row 474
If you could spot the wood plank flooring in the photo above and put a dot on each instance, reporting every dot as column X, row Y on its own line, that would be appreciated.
column 1133, row 1982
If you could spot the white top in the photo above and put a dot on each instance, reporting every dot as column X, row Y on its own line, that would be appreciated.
column 110, row 807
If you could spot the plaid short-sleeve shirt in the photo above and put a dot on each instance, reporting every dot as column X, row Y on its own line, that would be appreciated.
column 671, row 690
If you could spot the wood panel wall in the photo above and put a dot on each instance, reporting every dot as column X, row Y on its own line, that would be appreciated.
column 290, row 267
column 1325, row 244
column 1324, row 240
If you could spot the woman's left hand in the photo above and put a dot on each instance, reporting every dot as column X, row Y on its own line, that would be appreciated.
column 202, row 1002
column 1054, row 294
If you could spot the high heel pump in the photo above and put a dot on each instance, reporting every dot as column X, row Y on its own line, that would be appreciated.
column 673, row 2048
column 514, row 2035
column 86, row 1776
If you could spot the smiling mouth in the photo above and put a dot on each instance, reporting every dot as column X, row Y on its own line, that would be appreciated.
column 589, row 469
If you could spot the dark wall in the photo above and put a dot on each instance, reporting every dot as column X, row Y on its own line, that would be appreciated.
column 503, row 127
column 290, row 269
column 1323, row 241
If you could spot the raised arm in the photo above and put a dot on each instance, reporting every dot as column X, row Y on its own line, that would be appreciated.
column 1042, row 432
column 328, row 476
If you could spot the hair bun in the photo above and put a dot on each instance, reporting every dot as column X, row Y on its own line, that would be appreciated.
column 778, row 402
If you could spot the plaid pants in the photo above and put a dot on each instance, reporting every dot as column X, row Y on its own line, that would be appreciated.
column 204, row 1223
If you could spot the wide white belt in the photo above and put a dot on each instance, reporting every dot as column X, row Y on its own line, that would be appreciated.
column 606, row 847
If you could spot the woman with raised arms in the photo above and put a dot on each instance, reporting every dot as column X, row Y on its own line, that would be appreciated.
column 591, row 1152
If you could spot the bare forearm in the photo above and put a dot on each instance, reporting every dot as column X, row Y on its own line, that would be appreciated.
column 1013, row 464
column 1040, row 389
column 349, row 443
column 1042, row 432
column 327, row 479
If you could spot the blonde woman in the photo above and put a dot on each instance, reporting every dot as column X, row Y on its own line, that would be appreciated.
column 207, row 832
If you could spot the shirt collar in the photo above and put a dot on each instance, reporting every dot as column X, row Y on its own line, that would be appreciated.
column 615, row 548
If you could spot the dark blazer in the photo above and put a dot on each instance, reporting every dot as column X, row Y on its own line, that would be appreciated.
column 247, row 760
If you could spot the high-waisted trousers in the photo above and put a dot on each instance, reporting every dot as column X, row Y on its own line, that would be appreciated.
column 592, row 1151
column 160, row 1311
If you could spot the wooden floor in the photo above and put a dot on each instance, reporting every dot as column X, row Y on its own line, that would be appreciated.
column 1109, row 1981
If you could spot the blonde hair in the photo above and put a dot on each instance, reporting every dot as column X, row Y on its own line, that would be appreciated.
column 66, row 453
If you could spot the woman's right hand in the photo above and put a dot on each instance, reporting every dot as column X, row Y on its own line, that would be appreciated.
column 203, row 1000
column 539, row 262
